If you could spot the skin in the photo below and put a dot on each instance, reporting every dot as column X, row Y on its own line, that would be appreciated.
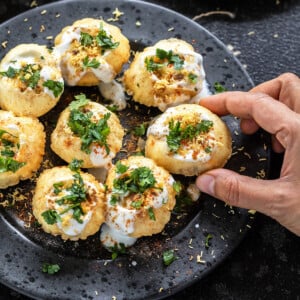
column 275, row 107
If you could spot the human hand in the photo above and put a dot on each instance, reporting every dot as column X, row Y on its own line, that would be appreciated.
column 279, row 198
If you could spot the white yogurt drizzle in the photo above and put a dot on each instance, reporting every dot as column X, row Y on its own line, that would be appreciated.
column 104, row 72
column 120, row 219
column 114, row 92
column 193, row 63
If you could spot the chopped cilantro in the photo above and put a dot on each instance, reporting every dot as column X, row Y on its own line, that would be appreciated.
column 163, row 58
column 169, row 257
column 174, row 136
column 152, row 66
column 50, row 268
column 56, row 87
column 86, row 39
column 51, row 216
column 120, row 168
column 75, row 165
column 117, row 249
column 139, row 180
column 140, row 130
column 114, row 199
column 104, row 40
column 57, row 187
column 88, row 131
column 9, row 164
column 151, row 214
column 177, row 186
column 10, row 73
column 8, row 148
column 177, row 134
column 192, row 77
column 137, row 204
column 93, row 63
column 76, row 194
column 219, row 88
column 30, row 75
column 81, row 100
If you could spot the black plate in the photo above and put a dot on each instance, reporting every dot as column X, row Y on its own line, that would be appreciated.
column 87, row 272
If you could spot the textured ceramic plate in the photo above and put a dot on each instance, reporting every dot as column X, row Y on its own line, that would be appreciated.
column 87, row 271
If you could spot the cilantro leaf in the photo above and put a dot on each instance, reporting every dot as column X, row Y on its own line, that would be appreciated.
column 137, row 181
column 93, row 63
column 140, row 130
column 169, row 257
column 219, row 88
column 151, row 214
column 177, row 134
column 81, row 100
column 10, row 73
column 50, row 268
column 51, row 216
column 56, row 87
column 8, row 164
column 86, row 39
column 120, row 168
column 117, row 249
column 105, row 41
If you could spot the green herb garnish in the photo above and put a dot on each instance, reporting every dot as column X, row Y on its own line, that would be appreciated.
column 93, row 63
column 169, row 257
column 76, row 194
column 8, row 148
column 120, row 168
column 88, row 131
column 163, row 58
column 219, row 88
column 28, row 74
column 104, row 40
column 10, row 73
column 75, row 165
column 56, row 87
column 177, row 134
column 140, row 130
column 8, row 164
column 139, row 180
column 151, row 214
column 136, row 181
column 192, row 77
column 51, row 216
column 117, row 249
column 50, row 268
column 86, row 39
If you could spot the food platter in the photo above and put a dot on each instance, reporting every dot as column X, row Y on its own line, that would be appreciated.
column 87, row 270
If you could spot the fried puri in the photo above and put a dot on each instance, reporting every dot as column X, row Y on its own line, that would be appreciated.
column 22, row 145
column 166, row 74
column 62, row 210
column 90, row 133
column 140, row 197
column 188, row 139
column 91, row 51
column 30, row 81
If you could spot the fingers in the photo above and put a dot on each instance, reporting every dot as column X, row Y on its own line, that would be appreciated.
column 278, row 199
column 285, row 88
column 260, row 109
column 237, row 190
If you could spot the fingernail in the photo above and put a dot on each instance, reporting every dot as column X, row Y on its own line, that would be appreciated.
column 206, row 184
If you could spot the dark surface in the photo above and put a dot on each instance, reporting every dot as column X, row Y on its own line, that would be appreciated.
column 266, row 263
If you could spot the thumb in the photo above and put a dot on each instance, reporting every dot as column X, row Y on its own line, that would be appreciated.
column 238, row 190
